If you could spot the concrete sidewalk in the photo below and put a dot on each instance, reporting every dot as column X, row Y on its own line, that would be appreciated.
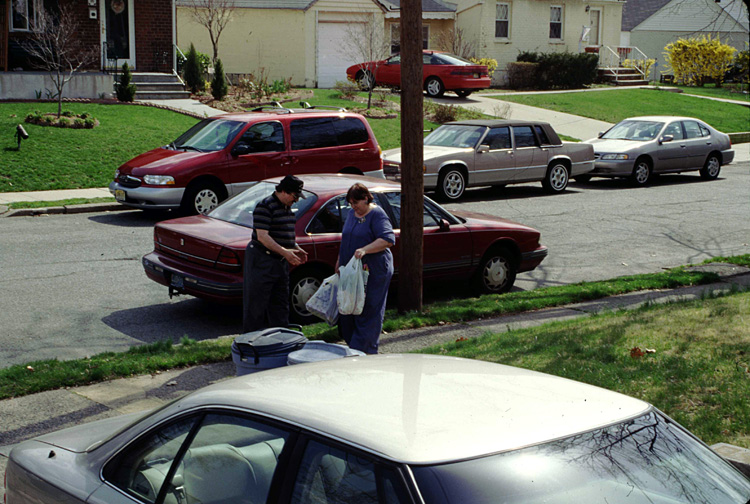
column 33, row 415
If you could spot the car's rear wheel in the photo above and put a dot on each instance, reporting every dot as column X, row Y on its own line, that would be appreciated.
column 201, row 197
column 711, row 168
column 641, row 172
column 303, row 284
column 462, row 93
column 434, row 87
column 451, row 184
column 496, row 273
column 364, row 80
column 556, row 179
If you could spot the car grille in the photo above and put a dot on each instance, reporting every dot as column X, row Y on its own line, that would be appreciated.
column 128, row 181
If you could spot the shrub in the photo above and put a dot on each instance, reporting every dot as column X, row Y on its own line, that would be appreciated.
column 522, row 74
column 79, row 122
column 219, row 87
column 740, row 71
column 281, row 85
column 68, row 113
column 563, row 70
column 64, row 122
column 124, row 89
column 193, row 74
column 89, row 123
column 346, row 89
column 490, row 63
column 694, row 61
column 443, row 113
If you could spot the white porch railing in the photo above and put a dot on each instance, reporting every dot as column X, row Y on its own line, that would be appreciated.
column 612, row 59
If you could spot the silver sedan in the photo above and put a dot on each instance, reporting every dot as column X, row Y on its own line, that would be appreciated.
column 640, row 147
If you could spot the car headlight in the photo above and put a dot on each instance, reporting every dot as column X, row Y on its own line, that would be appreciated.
column 158, row 180
column 618, row 157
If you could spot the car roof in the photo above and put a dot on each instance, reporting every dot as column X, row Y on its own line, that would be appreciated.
column 661, row 118
column 423, row 409
column 272, row 114
column 491, row 123
column 337, row 182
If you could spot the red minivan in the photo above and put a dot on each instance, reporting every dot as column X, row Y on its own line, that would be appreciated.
column 223, row 155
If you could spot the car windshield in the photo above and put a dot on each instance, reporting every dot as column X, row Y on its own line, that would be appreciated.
column 208, row 135
column 455, row 135
column 239, row 209
column 649, row 459
column 634, row 130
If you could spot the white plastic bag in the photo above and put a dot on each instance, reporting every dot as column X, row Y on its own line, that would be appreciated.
column 324, row 303
column 352, row 282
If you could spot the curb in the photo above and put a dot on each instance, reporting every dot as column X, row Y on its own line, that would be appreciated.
column 66, row 209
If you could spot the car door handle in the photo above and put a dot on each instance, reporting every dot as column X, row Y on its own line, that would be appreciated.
column 708, row 143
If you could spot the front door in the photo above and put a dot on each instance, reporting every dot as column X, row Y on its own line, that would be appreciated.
column 118, row 31
column 595, row 23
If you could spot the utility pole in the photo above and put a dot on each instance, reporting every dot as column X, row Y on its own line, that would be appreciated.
column 412, row 176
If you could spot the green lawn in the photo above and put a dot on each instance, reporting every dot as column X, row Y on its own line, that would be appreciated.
column 614, row 106
column 727, row 91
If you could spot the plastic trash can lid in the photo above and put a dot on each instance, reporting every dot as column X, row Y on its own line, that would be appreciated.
column 275, row 339
column 316, row 351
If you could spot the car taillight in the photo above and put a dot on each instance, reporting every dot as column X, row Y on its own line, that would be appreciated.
column 157, row 246
column 228, row 260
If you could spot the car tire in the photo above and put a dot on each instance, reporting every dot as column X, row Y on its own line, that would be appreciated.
column 582, row 178
column 496, row 273
column 304, row 283
column 556, row 178
column 642, row 172
column 364, row 80
column 451, row 184
column 434, row 87
column 711, row 168
column 463, row 93
column 202, row 197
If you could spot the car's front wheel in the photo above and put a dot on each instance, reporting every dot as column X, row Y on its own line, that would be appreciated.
column 711, row 168
column 556, row 179
column 496, row 273
column 451, row 184
column 202, row 197
column 434, row 87
column 303, row 284
column 641, row 172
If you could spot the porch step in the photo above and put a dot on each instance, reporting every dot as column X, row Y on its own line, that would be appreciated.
column 158, row 86
column 622, row 77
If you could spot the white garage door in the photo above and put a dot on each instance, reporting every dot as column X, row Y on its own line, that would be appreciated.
column 333, row 59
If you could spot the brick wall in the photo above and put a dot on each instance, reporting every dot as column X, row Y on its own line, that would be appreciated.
column 153, row 35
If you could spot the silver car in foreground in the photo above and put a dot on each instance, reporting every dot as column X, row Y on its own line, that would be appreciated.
column 463, row 154
column 641, row 147
column 388, row 429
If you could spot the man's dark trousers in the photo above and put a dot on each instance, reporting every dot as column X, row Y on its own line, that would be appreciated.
column 265, row 292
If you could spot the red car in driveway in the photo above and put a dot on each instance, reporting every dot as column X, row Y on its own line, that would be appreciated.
column 441, row 72
column 202, row 255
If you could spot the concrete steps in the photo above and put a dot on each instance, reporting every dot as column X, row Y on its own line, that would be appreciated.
column 159, row 86
column 622, row 76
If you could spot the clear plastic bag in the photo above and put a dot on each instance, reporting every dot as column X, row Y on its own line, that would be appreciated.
column 324, row 303
column 352, row 282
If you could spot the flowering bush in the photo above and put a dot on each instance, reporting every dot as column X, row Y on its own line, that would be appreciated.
column 695, row 60
column 643, row 65
column 490, row 63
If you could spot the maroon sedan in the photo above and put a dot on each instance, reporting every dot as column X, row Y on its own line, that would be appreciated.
column 441, row 72
column 202, row 255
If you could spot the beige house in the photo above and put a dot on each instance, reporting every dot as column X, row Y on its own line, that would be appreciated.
column 307, row 41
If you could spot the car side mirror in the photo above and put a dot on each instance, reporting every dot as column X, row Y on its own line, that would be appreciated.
column 444, row 225
column 483, row 148
column 666, row 138
column 241, row 148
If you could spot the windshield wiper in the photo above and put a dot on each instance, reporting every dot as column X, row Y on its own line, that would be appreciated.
column 190, row 147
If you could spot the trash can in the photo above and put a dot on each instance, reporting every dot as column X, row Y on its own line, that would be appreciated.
column 266, row 349
column 315, row 351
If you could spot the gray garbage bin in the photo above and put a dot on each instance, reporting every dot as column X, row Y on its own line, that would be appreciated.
column 315, row 351
column 266, row 349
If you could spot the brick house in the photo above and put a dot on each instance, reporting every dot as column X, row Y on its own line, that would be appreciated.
column 140, row 33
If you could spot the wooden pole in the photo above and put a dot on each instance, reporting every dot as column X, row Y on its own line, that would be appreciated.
column 412, row 176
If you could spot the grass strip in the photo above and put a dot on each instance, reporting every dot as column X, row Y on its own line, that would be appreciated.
column 66, row 202
column 697, row 369
column 38, row 376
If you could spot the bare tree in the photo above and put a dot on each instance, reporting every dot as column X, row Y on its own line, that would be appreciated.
column 54, row 46
column 454, row 41
column 214, row 15
column 365, row 43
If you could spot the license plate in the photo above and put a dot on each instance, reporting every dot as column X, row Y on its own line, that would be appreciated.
column 476, row 75
column 177, row 281
column 120, row 195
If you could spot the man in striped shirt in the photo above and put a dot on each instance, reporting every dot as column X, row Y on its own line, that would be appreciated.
column 265, row 296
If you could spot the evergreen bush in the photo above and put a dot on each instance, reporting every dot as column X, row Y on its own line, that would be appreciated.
column 124, row 89
column 563, row 70
column 219, row 87
column 192, row 71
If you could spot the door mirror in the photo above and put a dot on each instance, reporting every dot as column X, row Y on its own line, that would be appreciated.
column 444, row 225
column 241, row 148
column 600, row 134
column 483, row 148
column 666, row 138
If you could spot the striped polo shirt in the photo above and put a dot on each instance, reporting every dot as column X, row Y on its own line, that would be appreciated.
column 273, row 216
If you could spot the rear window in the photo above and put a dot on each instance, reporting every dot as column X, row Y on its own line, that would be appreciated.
column 319, row 132
column 350, row 130
column 524, row 136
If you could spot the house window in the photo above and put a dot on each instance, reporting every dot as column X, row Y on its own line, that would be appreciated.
column 555, row 22
column 23, row 15
column 396, row 37
column 502, row 20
